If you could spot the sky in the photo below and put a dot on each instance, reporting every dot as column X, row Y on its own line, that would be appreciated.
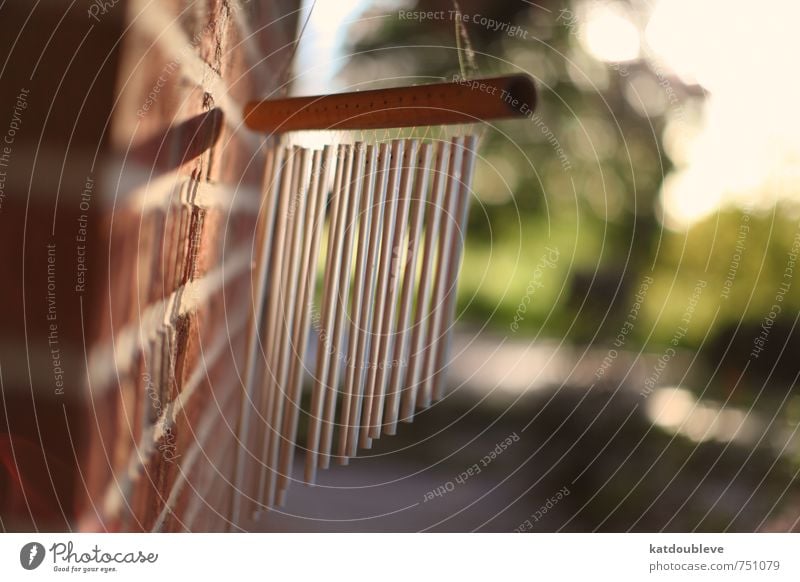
column 743, row 146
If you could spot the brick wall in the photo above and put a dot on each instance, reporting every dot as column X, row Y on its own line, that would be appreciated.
column 132, row 164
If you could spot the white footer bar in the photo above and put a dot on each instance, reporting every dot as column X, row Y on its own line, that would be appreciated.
column 400, row 557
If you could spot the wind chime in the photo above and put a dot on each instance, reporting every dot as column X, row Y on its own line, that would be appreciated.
column 390, row 215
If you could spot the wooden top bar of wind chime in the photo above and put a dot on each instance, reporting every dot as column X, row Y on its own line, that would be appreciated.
column 457, row 102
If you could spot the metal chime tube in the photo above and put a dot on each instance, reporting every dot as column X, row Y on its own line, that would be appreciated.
column 365, row 256
column 313, row 222
column 416, row 356
column 339, row 202
column 286, row 299
column 451, row 282
column 442, row 264
column 305, row 234
column 272, row 173
column 342, row 294
column 276, row 269
column 418, row 205
column 281, row 414
column 393, row 199
column 348, row 439
column 396, row 250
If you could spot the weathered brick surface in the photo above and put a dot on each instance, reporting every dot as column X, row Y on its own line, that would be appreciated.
column 150, row 110
column 67, row 77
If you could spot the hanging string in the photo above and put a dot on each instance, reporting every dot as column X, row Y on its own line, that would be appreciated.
column 466, row 50
column 287, row 67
